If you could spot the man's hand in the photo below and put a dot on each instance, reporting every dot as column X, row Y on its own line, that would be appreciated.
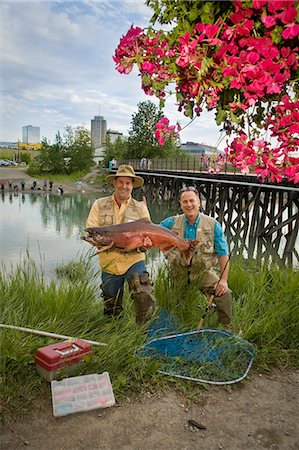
column 221, row 288
column 147, row 243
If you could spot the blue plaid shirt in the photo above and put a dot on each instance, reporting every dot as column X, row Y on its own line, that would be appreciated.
column 220, row 242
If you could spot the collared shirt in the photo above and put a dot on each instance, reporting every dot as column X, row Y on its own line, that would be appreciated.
column 220, row 241
column 112, row 261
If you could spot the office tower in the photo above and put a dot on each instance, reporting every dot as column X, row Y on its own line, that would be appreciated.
column 98, row 131
column 31, row 135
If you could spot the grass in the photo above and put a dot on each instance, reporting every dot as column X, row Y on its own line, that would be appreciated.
column 59, row 178
column 265, row 312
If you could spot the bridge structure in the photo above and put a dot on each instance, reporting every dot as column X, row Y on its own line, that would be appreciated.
column 260, row 219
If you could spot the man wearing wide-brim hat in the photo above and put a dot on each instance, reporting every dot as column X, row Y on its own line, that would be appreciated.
column 117, row 267
column 126, row 171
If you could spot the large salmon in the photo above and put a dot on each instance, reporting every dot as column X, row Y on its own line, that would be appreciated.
column 131, row 236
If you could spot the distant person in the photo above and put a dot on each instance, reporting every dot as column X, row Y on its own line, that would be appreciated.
column 22, row 183
column 9, row 184
column 114, row 164
column 60, row 190
column 143, row 163
column 2, row 185
column 45, row 185
column 78, row 184
column 50, row 185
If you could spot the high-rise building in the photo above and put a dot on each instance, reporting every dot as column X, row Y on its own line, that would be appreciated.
column 31, row 135
column 98, row 131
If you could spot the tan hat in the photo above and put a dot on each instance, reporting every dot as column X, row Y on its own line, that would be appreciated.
column 125, row 170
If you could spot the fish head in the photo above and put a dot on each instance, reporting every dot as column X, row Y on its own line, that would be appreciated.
column 98, row 238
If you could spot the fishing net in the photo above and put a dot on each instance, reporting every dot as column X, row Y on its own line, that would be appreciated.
column 208, row 355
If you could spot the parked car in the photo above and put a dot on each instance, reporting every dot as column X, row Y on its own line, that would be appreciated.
column 3, row 162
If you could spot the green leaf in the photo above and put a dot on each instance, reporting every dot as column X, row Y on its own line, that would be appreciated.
column 233, row 117
column 179, row 97
column 194, row 14
column 220, row 116
column 161, row 103
column 189, row 110
column 276, row 35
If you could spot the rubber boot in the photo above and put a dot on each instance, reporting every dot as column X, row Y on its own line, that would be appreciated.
column 142, row 294
column 113, row 305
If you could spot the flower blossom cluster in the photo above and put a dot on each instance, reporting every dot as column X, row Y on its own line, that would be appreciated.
column 242, row 65
column 166, row 131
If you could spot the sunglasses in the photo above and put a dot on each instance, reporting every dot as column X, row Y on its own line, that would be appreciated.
column 188, row 188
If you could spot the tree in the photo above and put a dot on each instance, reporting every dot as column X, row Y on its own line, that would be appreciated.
column 80, row 151
column 142, row 141
column 50, row 159
column 238, row 58
column 69, row 154
column 117, row 149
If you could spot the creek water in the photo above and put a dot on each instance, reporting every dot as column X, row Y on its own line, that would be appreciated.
column 47, row 228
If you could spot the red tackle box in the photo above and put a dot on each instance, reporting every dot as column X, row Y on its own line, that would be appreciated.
column 58, row 360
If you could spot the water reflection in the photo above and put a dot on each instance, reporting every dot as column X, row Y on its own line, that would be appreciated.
column 49, row 226
column 46, row 226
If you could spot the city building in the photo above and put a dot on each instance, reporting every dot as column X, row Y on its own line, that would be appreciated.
column 31, row 135
column 113, row 135
column 98, row 131
column 194, row 148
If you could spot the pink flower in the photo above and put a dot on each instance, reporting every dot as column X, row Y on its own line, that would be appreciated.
column 269, row 21
column 211, row 30
column 288, row 15
column 291, row 31
column 259, row 4
column 163, row 130
column 148, row 66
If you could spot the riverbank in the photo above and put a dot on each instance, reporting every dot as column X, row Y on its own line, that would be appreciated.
column 16, row 174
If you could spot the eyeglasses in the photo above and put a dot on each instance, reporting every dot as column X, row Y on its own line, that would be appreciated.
column 188, row 188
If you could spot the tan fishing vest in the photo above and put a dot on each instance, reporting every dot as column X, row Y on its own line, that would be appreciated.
column 133, row 211
column 204, row 255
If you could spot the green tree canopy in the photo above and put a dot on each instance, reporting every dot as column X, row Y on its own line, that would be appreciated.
column 142, row 141
column 70, row 153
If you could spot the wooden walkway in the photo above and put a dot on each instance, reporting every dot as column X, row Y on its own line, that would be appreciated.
column 261, row 220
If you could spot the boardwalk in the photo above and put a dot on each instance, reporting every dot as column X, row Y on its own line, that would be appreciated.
column 261, row 220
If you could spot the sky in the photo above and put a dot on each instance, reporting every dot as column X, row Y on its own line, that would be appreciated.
column 56, row 69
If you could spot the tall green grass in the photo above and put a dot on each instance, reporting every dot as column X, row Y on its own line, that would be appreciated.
column 265, row 312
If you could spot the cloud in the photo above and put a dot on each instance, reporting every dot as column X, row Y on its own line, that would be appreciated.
column 57, row 68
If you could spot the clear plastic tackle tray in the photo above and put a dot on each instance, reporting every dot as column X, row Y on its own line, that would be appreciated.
column 82, row 393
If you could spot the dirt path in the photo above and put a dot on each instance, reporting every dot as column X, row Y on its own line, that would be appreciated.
column 259, row 413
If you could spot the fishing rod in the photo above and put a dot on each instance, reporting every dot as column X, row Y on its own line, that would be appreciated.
column 46, row 333
column 212, row 306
